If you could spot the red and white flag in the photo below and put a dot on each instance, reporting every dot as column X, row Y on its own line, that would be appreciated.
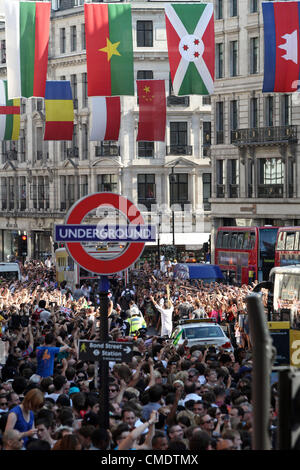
column 106, row 118
column 152, row 110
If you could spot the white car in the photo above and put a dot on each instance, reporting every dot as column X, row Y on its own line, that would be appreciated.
column 203, row 333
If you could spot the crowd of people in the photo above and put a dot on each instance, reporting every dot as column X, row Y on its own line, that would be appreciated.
column 169, row 397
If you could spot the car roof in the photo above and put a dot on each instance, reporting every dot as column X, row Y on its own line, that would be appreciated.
column 199, row 324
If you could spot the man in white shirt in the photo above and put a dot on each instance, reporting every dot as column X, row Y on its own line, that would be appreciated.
column 166, row 317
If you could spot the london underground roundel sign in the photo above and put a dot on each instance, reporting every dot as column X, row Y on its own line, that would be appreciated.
column 135, row 234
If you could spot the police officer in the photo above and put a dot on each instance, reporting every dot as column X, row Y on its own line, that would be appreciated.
column 135, row 321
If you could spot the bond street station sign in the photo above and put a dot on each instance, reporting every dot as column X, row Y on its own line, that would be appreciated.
column 105, row 351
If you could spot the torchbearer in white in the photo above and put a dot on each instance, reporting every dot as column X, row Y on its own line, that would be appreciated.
column 166, row 314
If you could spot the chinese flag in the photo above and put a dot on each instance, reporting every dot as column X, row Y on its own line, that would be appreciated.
column 152, row 110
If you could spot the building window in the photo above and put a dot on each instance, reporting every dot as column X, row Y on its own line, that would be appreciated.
column 253, row 6
column 269, row 116
column 73, row 38
column 74, row 148
column 107, row 183
column 74, row 90
column 219, row 60
column 250, row 178
column 271, row 178
column 22, row 193
column 253, row 112
column 83, row 37
column 145, row 149
column 144, row 33
column 219, row 9
column 179, row 188
column 178, row 133
column 253, row 55
column 233, row 45
column 220, row 178
column 206, row 182
column 63, row 192
column 233, row 8
column 206, row 137
column 84, row 185
column 233, row 115
column 285, row 110
column 3, row 51
column 22, row 145
column 219, row 122
column 71, row 191
column 146, row 187
column 62, row 40
column 144, row 75
column 85, row 140
column 232, row 178
column 84, row 91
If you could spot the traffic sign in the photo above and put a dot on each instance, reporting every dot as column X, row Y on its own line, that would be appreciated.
column 105, row 351
column 135, row 234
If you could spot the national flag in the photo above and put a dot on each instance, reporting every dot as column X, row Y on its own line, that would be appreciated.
column 177, row 338
column 106, row 118
column 152, row 110
column 9, row 115
column 59, row 110
column 191, row 47
column 27, row 26
column 109, row 49
column 282, row 46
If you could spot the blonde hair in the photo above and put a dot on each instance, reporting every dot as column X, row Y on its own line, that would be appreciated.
column 183, row 375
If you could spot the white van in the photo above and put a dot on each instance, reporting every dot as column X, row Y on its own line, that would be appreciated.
column 10, row 271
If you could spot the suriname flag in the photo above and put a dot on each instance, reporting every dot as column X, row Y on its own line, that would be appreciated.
column 191, row 47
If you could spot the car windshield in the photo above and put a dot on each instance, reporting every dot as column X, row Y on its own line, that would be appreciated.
column 204, row 332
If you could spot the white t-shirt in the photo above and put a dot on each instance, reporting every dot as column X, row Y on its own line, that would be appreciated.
column 45, row 315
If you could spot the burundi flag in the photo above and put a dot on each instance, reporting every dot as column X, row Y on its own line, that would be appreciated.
column 282, row 46
column 9, row 115
column 27, row 27
column 59, row 110
column 191, row 47
column 109, row 49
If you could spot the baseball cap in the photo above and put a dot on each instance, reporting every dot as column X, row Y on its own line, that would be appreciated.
column 74, row 390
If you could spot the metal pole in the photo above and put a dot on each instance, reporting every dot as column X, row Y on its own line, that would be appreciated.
column 158, row 240
column 262, row 354
column 173, row 221
column 103, row 369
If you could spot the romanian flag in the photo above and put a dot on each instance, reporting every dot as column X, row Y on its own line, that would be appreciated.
column 59, row 110
column 152, row 112
column 282, row 46
column 109, row 50
column 27, row 26
column 9, row 115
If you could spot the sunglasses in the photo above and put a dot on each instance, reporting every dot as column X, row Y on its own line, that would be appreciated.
column 208, row 421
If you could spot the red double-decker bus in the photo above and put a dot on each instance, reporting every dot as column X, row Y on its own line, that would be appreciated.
column 245, row 254
column 287, row 248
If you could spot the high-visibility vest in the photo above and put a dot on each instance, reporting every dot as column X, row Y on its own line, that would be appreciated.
column 135, row 324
